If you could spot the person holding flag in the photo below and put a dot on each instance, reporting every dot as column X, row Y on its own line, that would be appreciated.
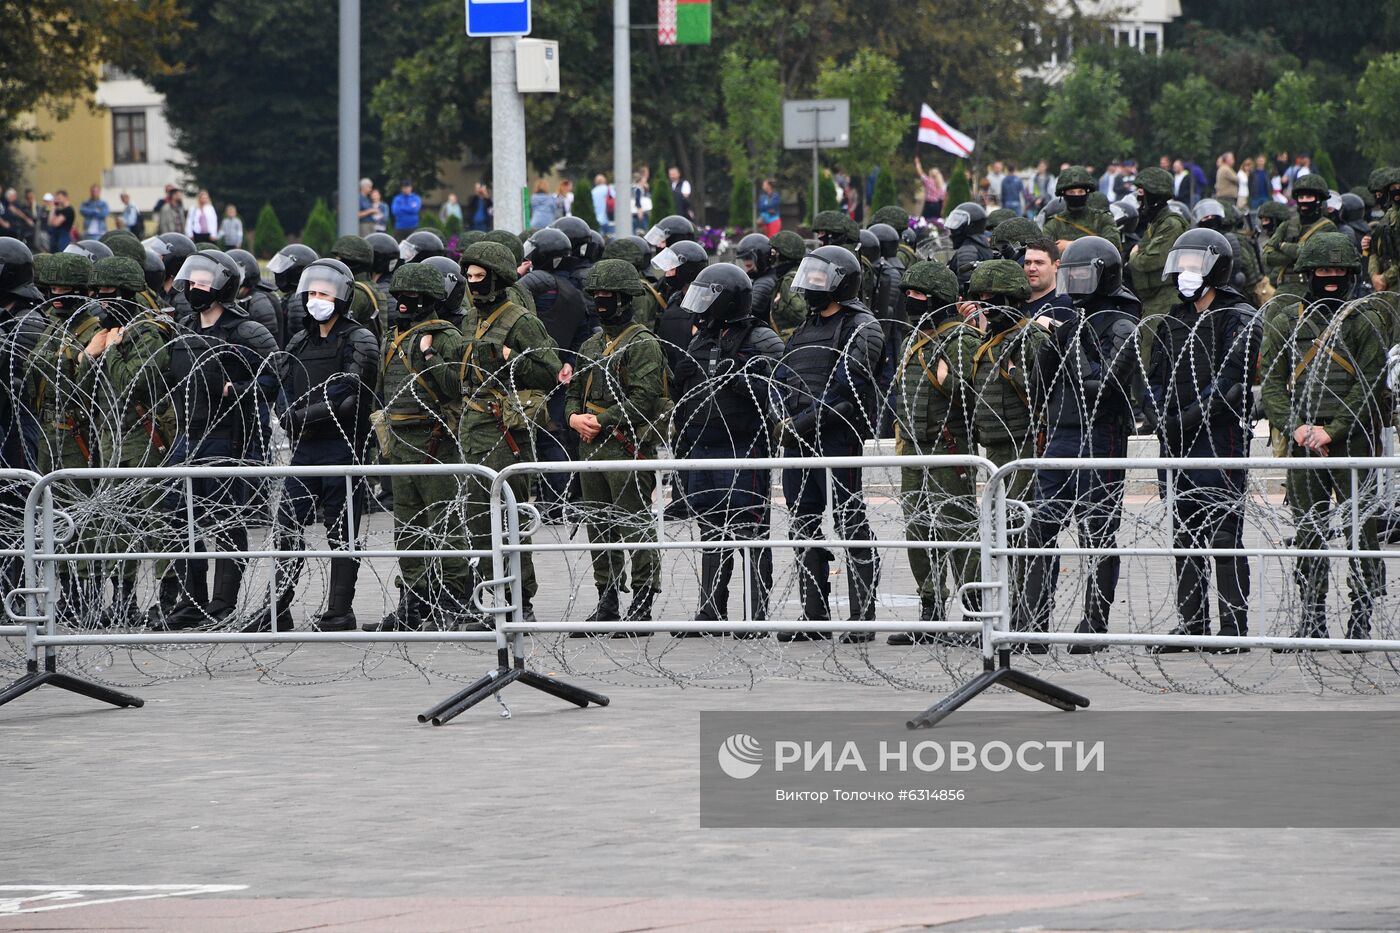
column 937, row 132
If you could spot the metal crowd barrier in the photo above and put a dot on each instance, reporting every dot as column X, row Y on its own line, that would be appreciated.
column 501, row 596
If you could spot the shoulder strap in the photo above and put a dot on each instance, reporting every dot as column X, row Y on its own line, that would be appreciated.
column 609, row 349
column 1311, row 230
column 373, row 298
column 1080, row 227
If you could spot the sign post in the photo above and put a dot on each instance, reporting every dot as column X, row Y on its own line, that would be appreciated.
column 816, row 124
column 504, row 21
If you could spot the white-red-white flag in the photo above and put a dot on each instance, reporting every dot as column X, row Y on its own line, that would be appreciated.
column 936, row 131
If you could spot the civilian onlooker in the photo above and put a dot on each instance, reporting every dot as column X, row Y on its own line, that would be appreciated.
column 18, row 218
column 94, row 211
column 42, row 212
column 1106, row 179
column 852, row 199
column 641, row 198
column 1200, row 183
column 1013, row 191
column 202, row 224
column 996, row 174
column 451, row 208
column 564, row 194
column 378, row 212
column 129, row 218
column 1183, row 183
column 405, row 208
column 364, row 215
column 1227, row 180
column 1302, row 165
column 170, row 217
column 935, row 191
column 231, row 230
column 544, row 207
column 769, row 203
column 603, row 195
column 160, row 202
column 480, row 209
column 1126, row 181
column 1042, row 185
column 7, row 228
column 1259, row 190
column 680, row 193
column 1281, row 164
column 61, row 219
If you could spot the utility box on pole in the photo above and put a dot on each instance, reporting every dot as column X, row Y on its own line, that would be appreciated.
column 537, row 66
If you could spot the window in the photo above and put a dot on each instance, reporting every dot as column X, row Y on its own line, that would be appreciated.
column 128, row 136
column 1152, row 42
column 1124, row 38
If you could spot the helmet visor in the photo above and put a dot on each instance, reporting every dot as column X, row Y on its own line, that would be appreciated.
column 699, row 298
column 156, row 245
column 817, row 275
column 1209, row 208
column 1190, row 260
column 666, row 260
column 1079, row 279
column 655, row 236
column 530, row 249
column 78, row 249
column 280, row 263
column 327, row 281
column 201, row 272
column 407, row 251
column 958, row 219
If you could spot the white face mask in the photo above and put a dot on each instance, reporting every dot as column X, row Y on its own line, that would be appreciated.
column 320, row 309
column 1189, row 285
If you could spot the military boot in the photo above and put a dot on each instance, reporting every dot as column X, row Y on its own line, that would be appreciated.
column 930, row 609
column 123, row 611
column 814, row 585
column 190, row 610
column 607, row 610
column 865, row 570
column 639, row 610
column 340, row 613
column 715, row 571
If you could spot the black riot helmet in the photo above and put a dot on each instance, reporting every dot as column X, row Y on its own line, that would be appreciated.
column 595, row 246
column 1125, row 215
column 17, row 271
column 829, row 273
column 579, row 233
column 154, row 270
column 92, row 249
column 869, row 246
column 967, row 220
column 721, row 294
column 177, row 248
column 686, row 258
column 1199, row 259
column 1353, row 208
column 420, row 245
column 547, row 248
column 454, row 280
column 888, row 238
column 331, row 277
column 252, row 275
column 386, row 252
column 1210, row 214
column 754, row 254
column 207, row 277
column 288, row 265
column 668, row 231
column 1090, row 266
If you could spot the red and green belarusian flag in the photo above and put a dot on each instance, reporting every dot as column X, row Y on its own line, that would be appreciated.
column 683, row 22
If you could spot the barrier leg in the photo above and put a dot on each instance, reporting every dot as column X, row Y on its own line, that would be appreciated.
column 35, row 679
column 1004, row 676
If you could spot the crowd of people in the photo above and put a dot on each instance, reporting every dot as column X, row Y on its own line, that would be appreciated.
column 1056, row 337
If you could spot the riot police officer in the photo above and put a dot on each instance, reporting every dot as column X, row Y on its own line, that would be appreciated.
column 420, row 245
column 967, row 225
column 21, row 326
column 508, row 368
column 328, row 374
column 1085, row 375
column 386, row 260
column 576, row 263
column 255, row 296
column 220, row 424
column 615, row 400
column 888, row 308
column 1198, row 380
column 933, row 407
column 754, row 254
column 287, row 267
column 825, row 389
column 358, row 257
column 1323, row 361
column 678, row 265
column 722, row 388
column 670, row 230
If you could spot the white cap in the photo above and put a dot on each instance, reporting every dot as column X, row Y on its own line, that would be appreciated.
column 47, row 196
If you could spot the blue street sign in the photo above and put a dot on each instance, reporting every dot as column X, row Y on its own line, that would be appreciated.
column 498, row 17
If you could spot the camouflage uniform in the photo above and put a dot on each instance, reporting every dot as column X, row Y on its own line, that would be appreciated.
column 1071, row 224
column 646, row 307
column 507, row 367
column 834, row 228
column 1150, row 255
column 521, row 296
column 1324, row 365
column 1281, row 252
column 419, row 392
column 620, row 378
column 789, row 307
column 933, row 412
column 898, row 218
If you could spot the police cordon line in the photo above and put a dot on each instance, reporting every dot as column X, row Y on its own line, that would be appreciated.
column 1059, row 339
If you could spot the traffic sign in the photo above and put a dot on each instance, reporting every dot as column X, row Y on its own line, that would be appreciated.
column 498, row 18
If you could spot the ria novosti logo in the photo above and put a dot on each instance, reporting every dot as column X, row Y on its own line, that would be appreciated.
column 740, row 756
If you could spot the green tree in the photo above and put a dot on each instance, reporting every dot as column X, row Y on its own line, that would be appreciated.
column 959, row 188
column 826, row 196
column 1374, row 108
column 741, row 203
column 1187, row 117
column 49, row 49
column 662, row 203
column 453, row 226
column 1081, row 121
column 1290, row 116
column 751, row 136
column 319, row 231
column 268, row 235
column 583, row 206
column 868, row 81
column 885, row 195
